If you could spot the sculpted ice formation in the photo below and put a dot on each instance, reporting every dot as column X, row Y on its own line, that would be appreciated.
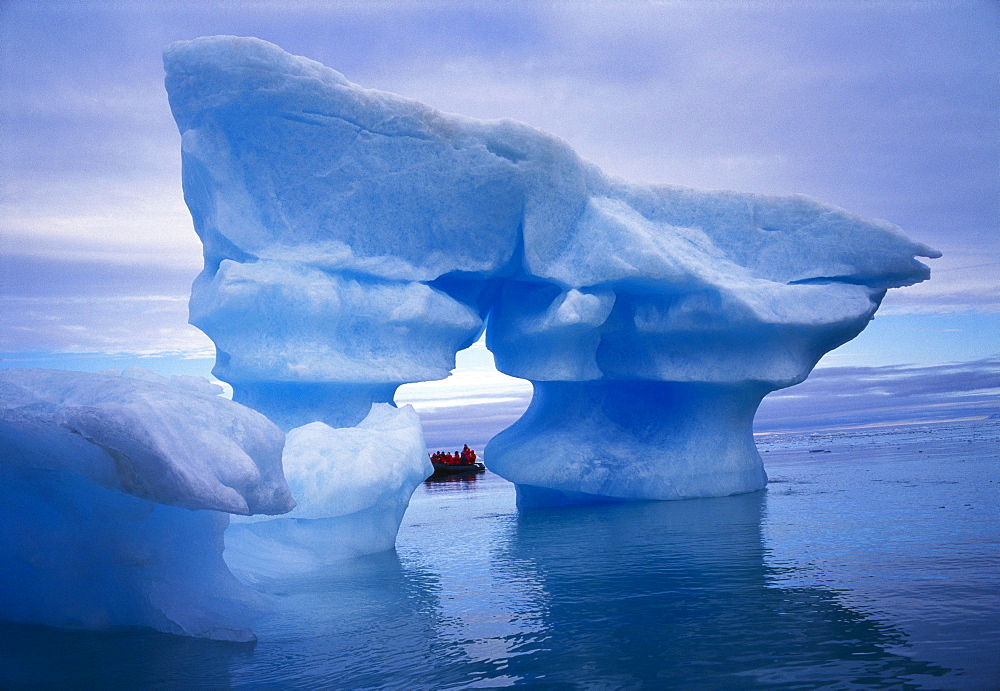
column 111, row 493
column 352, row 486
column 354, row 240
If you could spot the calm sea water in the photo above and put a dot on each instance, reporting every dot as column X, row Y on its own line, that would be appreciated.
column 872, row 560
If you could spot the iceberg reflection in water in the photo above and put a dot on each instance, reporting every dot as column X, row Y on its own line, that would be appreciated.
column 873, row 565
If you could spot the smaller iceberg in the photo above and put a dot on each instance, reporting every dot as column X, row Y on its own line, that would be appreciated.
column 352, row 486
column 114, row 496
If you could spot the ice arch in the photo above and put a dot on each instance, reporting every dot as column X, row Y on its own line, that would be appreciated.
column 355, row 240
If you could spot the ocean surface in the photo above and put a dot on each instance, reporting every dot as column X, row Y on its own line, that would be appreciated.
column 872, row 560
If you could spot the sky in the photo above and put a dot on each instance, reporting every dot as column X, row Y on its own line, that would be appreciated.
column 888, row 109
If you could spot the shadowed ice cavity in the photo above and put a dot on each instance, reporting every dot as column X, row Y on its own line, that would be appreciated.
column 355, row 240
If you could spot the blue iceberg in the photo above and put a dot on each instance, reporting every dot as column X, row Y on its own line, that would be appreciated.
column 355, row 240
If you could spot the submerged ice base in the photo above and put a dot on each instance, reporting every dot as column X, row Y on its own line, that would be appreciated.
column 355, row 240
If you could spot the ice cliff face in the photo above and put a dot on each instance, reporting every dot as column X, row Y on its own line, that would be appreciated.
column 355, row 240
column 112, row 499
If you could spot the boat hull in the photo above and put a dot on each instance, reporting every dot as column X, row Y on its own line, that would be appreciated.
column 441, row 469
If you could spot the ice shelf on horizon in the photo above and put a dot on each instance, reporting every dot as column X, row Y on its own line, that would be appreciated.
column 355, row 240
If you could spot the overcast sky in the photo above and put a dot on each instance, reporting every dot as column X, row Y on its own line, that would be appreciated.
column 888, row 109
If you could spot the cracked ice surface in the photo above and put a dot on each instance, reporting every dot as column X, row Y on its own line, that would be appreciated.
column 355, row 240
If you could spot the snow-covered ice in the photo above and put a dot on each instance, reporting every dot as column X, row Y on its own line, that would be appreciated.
column 367, row 237
column 115, row 495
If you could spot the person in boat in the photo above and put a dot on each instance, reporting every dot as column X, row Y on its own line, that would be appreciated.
column 466, row 456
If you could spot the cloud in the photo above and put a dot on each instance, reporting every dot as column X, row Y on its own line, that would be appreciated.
column 887, row 109
column 474, row 423
column 960, row 282
column 98, row 302
column 840, row 396
column 899, row 381
column 137, row 325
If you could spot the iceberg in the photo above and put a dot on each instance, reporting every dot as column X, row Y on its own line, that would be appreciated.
column 115, row 492
column 355, row 240
column 351, row 485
